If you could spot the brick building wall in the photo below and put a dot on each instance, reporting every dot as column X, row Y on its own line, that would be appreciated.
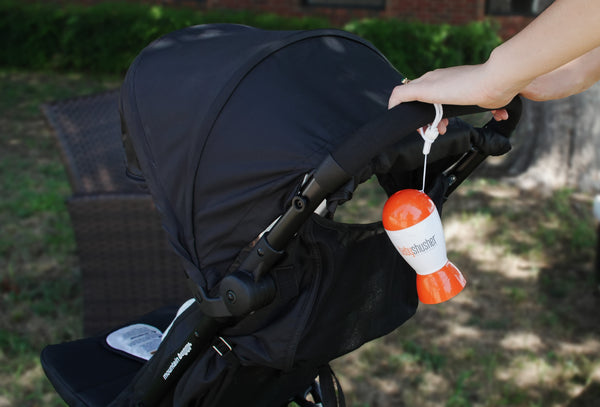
column 430, row 11
column 436, row 11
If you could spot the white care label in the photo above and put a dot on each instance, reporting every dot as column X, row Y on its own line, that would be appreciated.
column 139, row 340
column 422, row 245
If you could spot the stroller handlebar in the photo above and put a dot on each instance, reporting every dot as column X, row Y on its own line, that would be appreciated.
column 359, row 149
column 366, row 142
column 350, row 158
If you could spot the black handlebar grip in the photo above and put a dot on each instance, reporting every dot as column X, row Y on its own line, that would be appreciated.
column 372, row 138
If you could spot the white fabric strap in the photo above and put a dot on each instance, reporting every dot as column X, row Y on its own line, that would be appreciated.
column 431, row 132
column 429, row 135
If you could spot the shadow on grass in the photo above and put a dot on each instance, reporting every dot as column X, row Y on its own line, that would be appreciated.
column 524, row 332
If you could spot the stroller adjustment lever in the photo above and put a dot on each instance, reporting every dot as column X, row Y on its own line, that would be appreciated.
column 239, row 295
column 251, row 287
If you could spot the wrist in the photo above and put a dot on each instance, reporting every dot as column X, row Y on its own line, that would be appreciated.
column 501, row 81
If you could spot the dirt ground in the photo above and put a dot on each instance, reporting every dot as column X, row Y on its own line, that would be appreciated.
column 524, row 332
column 526, row 329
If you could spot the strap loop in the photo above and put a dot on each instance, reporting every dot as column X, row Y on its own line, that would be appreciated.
column 429, row 136
column 431, row 132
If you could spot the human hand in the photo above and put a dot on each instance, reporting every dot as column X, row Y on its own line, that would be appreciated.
column 442, row 127
column 456, row 85
column 500, row 114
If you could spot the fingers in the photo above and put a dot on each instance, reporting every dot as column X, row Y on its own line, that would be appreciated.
column 500, row 114
column 401, row 94
column 443, row 126
column 395, row 99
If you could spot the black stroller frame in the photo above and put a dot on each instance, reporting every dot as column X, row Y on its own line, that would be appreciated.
column 250, row 283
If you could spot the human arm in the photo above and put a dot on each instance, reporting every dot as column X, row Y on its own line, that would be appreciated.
column 572, row 78
column 565, row 31
column 569, row 79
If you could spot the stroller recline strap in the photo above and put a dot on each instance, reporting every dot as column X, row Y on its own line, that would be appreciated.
column 224, row 350
column 331, row 390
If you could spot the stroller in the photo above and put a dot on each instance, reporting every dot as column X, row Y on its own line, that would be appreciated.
column 248, row 141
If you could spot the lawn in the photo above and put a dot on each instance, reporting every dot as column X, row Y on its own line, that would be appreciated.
column 40, row 299
column 525, row 331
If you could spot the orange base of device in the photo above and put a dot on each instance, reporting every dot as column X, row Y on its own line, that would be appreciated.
column 440, row 286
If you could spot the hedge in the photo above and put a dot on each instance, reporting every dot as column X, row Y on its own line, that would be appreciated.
column 105, row 37
column 415, row 48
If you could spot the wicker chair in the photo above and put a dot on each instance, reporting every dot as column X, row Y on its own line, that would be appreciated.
column 127, row 266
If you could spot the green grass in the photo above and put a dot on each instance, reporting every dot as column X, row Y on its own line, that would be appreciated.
column 39, row 279
column 529, row 266
column 539, row 324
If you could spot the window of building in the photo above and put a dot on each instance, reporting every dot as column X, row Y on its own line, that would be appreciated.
column 380, row 4
column 516, row 7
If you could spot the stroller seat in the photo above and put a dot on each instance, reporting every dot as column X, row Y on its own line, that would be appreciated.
column 248, row 140
column 76, row 367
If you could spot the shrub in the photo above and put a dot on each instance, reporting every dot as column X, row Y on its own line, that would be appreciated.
column 415, row 47
column 107, row 36
column 29, row 36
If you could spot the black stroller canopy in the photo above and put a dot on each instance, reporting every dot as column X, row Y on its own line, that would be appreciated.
column 226, row 121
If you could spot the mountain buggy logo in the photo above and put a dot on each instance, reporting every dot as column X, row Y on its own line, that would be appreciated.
column 184, row 352
column 418, row 248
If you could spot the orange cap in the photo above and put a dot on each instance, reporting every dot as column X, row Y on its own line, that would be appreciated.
column 406, row 208
column 441, row 285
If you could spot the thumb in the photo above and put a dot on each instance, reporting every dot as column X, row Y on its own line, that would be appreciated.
column 401, row 93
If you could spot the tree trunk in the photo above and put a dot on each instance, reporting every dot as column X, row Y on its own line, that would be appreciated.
column 557, row 144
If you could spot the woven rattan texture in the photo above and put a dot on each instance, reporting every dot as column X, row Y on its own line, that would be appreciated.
column 127, row 266
column 89, row 134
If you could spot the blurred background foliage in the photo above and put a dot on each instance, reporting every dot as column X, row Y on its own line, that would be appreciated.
column 47, row 35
